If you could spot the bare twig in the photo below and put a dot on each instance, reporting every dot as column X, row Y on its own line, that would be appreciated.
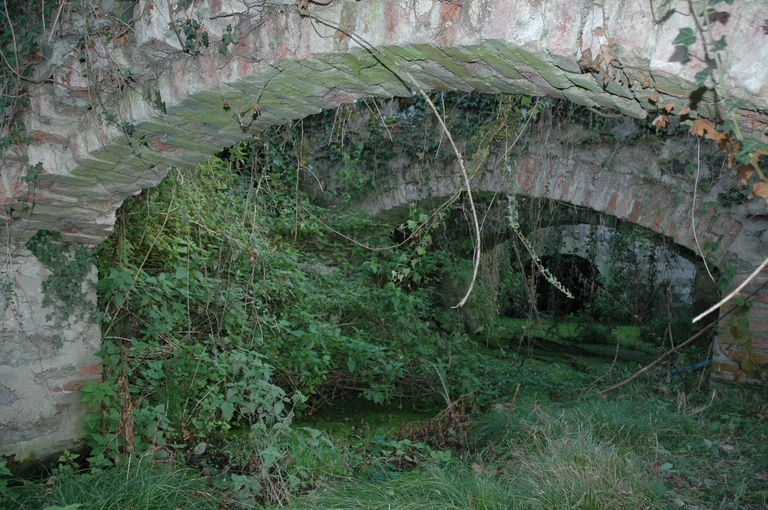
column 445, row 394
column 693, row 338
column 732, row 294
column 665, row 355
column 693, row 208
column 613, row 363
column 606, row 115
column 376, row 52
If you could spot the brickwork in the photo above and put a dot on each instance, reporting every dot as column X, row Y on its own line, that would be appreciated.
column 288, row 65
column 664, row 207
column 730, row 354
column 110, row 120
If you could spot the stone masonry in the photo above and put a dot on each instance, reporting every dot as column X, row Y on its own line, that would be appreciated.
column 125, row 94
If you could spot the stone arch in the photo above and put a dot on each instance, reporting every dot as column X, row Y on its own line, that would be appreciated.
column 666, row 267
column 170, row 107
column 662, row 205
column 106, row 120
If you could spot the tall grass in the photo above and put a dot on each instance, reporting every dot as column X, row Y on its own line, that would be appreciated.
column 135, row 485
column 630, row 451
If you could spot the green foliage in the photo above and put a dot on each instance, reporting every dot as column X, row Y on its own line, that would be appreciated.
column 226, row 39
column 190, row 34
column 22, row 22
column 735, row 195
column 139, row 483
column 70, row 264
column 685, row 37
column 227, row 324
column 5, row 473
column 32, row 172
column 361, row 141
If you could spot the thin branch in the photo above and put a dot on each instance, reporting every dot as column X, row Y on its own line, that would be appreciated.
column 606, row 115
column 693, row 208
column 376, row 51
column 675, row 349
column 445, row 395
column 55, row 21
column 732, row 294
column 665, row 355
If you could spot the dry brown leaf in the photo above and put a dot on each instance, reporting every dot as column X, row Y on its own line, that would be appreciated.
column 608, row 54
column 597, row 62
column 722, row 139
column 744, row 172
column 684, row 111
column 756, row 155
column 760, row 189
column 730, row 158
column 660, row 121
column 700, row 127
column 654, row 97
column 477, row 468
column 669, row 106
column 586, row 58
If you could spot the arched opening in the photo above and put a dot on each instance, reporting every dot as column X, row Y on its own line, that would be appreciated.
column 577, row 274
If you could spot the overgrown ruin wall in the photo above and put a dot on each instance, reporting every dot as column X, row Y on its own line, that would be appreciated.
column 121, row 98
column 43, row 365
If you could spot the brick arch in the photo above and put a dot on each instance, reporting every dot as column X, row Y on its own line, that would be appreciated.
column 106, row 122
column 658, row 205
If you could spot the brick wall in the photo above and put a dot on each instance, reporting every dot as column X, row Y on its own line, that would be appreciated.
column 728, row 360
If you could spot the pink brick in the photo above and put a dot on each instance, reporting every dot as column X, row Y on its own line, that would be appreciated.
column 637, row 208
column 93, row 369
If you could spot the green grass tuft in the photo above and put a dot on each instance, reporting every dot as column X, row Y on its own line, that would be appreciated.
column 134, row 485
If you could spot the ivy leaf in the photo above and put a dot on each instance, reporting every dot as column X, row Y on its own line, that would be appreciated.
column 32, row 172
column 720, row 45
column 701, row 77
column 685, row 37
column 699, row 127
column 749, row 364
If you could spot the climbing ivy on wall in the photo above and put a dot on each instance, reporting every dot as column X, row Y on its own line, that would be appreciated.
column 70, row 265
column 22, row 23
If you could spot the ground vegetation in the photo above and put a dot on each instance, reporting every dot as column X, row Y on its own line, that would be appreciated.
column 242, row 310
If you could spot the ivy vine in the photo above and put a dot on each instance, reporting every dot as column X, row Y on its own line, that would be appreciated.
column 69, row 264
